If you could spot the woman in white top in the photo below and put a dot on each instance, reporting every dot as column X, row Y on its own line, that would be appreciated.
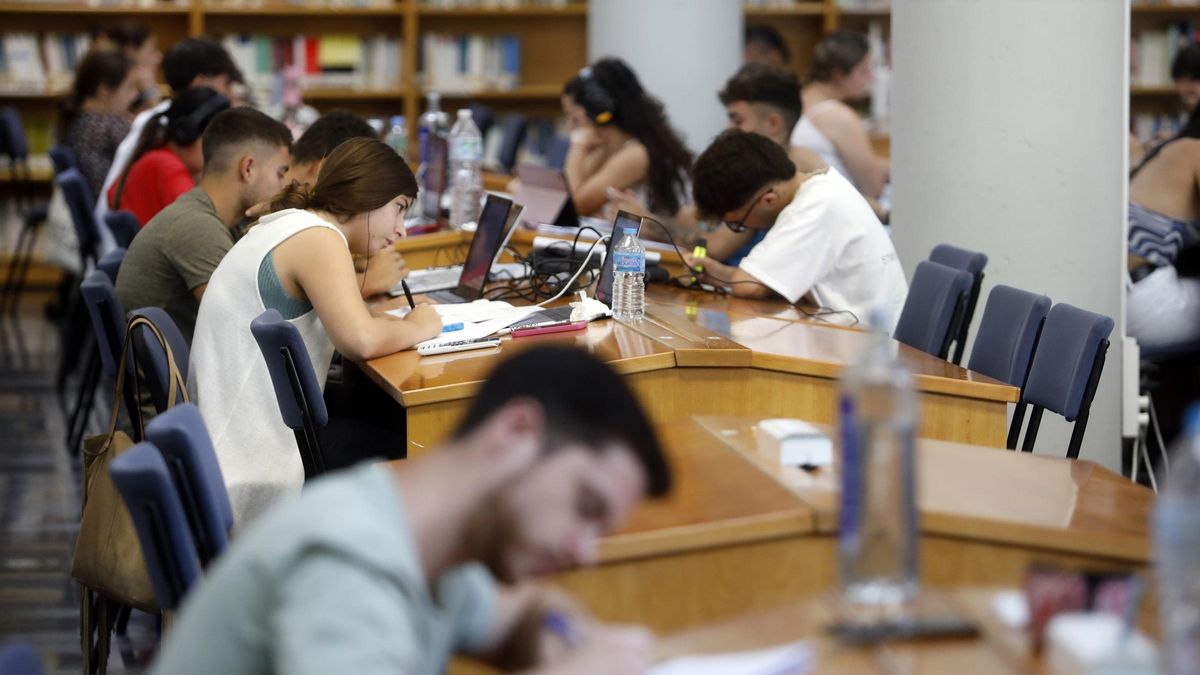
column 841, row 72
column 298, row 260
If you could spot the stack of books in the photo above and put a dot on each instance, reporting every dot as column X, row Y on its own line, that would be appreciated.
column 337, row 61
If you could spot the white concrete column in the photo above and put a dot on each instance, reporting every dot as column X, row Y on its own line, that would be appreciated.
column 682, row 51
column 1009, row 127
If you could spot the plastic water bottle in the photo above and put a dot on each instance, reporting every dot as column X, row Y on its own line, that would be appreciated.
column 629, row 277
column 432, row 126
column 397, row 135
column 466, row 176
column 1177, row 549
column 877, row 536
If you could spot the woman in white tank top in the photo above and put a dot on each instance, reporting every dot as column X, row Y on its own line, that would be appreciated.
column 841, row 72
column 298, row 260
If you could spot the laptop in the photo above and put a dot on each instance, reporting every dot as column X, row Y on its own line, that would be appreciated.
column 546, row 197
column 465, row 283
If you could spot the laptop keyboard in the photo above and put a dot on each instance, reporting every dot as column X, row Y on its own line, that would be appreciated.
column 423, row 281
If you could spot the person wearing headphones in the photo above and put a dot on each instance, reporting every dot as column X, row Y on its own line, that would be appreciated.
column 621, row 140
column 168, row 157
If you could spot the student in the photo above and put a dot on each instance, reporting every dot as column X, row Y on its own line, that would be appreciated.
column 822, row 241
column 191, row 62
column 320, row 138
column 378, row 273
column 168, row 158
column 136, row 42
column 170, row 262
column 1163, row 303
column 841, row 72
column 395, row 568
column 621, row 139
column 95, row 116
column 764, row 44
column 298, row 260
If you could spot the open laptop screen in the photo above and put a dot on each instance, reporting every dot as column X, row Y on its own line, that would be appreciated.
column 488, row 235
column 604, row 285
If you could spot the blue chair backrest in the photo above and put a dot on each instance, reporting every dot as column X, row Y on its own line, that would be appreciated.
column 1063, row 362
column 152, row 358
column 63, row 158
column 141, row 475
column 287, row 357
column 513, row 128
column 20, row 658
column 180, row 434
column 1008, row 333
column 935, row 303
column 123, row 225
column 108, row 319
column 556, row 151
column 12, row 135
column 110, row 263
column 79, row 200
column 959, row 258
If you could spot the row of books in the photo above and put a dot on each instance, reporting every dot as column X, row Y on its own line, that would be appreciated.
column 501, row 4
column 300, row 4
column 458, row 63
column 1152, row 51
column 47, row 63
column 1149, row 126
column 319, row 61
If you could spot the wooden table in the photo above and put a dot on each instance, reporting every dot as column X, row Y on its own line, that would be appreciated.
column 999, row 650
column 986, row 515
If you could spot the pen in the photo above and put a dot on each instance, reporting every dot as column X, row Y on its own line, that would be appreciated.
column 559, row 624
column 408, row 294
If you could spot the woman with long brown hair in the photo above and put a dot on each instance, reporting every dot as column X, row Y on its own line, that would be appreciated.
column 95, row 115
column 298, row 260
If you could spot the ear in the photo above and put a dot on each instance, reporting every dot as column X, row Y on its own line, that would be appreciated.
column 774, row 121
column 512, row 438
column 246, row 168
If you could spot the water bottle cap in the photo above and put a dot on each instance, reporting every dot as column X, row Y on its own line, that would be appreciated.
column 631, row 231
column 1191, row 419
column 397, row 120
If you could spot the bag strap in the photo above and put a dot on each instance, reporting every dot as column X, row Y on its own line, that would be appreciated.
column 176, row 387
column 118, row 398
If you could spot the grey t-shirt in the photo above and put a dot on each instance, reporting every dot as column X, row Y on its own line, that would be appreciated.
column 173, row 254
column 329, row 582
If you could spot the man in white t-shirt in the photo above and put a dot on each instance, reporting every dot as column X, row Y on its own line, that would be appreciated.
column 823, row 240
column 192, row 62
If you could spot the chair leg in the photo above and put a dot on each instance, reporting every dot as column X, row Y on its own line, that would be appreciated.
column 1014, row 429
column 83, row 406
column 86, row 627
column 1077, row 437
column 1035, row 420
column 123, row 613
column 8, row 294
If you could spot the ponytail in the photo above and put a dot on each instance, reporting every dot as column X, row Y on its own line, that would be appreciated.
column 296, row 195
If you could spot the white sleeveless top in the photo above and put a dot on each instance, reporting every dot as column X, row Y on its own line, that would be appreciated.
column 228, row 377
column 806, row 135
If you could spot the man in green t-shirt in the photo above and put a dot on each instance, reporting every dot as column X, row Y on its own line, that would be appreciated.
column 170, row 261
column 392, row 568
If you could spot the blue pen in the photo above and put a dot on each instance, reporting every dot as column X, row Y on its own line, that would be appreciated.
column 559, row 624
column 451, row 327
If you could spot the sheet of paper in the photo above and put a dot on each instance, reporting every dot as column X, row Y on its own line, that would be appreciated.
column 474, row 312
column 471, row 331
column 790, row 659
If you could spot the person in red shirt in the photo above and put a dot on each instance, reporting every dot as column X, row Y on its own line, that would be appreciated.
column 168, row 156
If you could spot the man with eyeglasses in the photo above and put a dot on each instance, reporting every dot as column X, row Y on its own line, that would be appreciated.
column 823, row 239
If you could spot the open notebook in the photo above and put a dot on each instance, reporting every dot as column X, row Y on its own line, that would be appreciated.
column 796, row 658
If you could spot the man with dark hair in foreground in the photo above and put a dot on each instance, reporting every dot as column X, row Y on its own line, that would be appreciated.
column 395, row 568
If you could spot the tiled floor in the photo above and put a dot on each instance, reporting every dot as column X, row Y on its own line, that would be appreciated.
column 39, row 505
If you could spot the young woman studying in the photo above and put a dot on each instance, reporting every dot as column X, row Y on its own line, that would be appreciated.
column 298, row 261
column 95, row 116
column 168, row 158
column 621, row 139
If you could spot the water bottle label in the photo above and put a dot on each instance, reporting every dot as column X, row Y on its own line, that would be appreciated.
column 466, row 150
column 423, row 144
column 629, row 261
column 849, row 521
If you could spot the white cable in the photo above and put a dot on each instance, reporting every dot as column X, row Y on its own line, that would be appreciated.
column 1133, row 471
column 1149, row 466
column 582, row 267
column 1162, row 447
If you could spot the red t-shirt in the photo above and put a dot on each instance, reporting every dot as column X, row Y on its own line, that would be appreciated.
column 154, row 181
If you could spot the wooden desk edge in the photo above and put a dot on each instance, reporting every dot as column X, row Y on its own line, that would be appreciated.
column 625, row 547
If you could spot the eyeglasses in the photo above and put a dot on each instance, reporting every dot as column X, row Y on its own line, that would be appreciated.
column 739, row 225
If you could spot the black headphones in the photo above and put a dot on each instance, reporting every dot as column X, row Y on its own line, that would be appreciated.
column 595, row 99
column 187, row 129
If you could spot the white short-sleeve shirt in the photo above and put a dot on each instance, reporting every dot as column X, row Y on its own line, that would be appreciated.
column 828, row 242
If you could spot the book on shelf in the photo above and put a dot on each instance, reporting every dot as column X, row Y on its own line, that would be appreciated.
column 492, row 4
column 1151, row 53
column 466, row 63
column 301, row 4
column 864, row 4
column 328, row 61
column 770, row 4
column 40, row 65
column 1166, row 3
